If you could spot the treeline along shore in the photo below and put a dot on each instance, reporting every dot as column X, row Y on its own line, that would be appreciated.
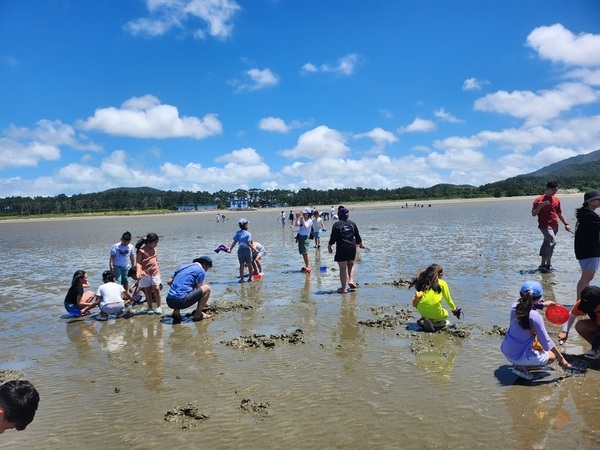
column 145, row 200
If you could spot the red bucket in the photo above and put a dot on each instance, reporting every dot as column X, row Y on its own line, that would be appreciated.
column 557, row 314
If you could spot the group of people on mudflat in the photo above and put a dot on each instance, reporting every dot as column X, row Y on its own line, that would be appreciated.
column 527, row 343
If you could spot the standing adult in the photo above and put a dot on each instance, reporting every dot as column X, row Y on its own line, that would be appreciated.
column 304, row 224
column 548, row 211
column 187, row 288
column 291, row 218
column 345, row 236
column 587, row 239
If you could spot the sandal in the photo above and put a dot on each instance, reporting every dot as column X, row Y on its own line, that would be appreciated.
column 521, row 372
column 353, row 285
column 202, row 317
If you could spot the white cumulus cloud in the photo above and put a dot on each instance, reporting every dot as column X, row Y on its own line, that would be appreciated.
column 165, row 15
column 146, row 117
column 418, row 126
column 560, row 45
column 320, row 142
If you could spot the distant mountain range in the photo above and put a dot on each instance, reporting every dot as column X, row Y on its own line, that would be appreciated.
column 558, row 166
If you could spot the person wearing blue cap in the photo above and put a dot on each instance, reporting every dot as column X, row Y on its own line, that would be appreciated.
column 527, row 343
column 187, row 288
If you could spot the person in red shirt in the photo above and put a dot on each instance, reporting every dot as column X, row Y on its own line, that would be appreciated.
column 548, row 211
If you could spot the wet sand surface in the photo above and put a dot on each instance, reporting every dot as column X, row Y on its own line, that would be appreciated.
column 283, row 363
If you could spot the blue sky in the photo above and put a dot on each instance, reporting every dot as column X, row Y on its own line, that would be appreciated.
column 285, row 94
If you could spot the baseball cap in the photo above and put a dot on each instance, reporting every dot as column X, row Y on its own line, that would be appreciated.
column 532, row 286
column 306, row 211
column 590, row 299
column 591, row 195
column 204, row 259
column 242, row 221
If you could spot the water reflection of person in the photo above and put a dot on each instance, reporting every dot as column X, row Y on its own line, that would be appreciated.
column 536, row 414
column 152, row 354
column 349, row 340
column 81, row 334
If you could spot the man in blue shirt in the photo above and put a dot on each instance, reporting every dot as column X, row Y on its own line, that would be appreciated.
column 187, row 288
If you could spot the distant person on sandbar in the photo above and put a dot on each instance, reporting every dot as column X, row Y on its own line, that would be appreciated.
column 431, row 290
column 291, row 218
column 527, row 343
column 187, row 288
column 548, row 211
column 19, row 401
column 346, row 237
column 282, row 218
column 587, row 239
column 78, row 301
column 318, row 228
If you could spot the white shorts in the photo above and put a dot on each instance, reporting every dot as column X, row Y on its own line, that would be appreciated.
column 535, row 358
column 149, row 280
column 112, row 308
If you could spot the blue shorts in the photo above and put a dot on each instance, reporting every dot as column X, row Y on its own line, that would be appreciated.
column 244, row 255
column 590, row 263
column 317, row 234
column 121, row 274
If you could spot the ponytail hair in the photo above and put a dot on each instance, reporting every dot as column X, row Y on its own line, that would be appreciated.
column 150, row 237
column 524, row 307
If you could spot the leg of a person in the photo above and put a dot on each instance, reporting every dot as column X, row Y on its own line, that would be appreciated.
column 343, row 266
column 550, row 240
column 586, row 329
column 157, row 297
column 351, row 272
column 586, row 277
column 148, row 294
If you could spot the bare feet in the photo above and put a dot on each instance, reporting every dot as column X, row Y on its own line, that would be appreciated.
column 202, row 316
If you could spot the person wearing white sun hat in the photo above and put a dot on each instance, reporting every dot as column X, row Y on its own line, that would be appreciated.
column 304, row 224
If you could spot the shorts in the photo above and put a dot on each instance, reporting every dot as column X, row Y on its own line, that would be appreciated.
column 535, row 358
column 244, row 255
column 149, row 280
column 121, row 273
column 344, row 254
column 317, row 234
column 189, row 300
column 303, row 244
column 112, row 308
column 590, row 263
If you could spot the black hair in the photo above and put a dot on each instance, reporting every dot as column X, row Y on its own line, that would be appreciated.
column 19, row 400
column 108, row 275
column 150, row 237
column 428, row 279
column 126, row 236
column 524, row 307
column 551, row 184
column 78, row 275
